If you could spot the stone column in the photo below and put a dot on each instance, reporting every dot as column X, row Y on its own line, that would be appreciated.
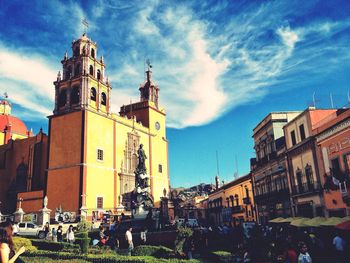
column 44, row 213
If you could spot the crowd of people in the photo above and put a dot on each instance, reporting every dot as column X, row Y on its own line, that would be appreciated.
column 271, row 243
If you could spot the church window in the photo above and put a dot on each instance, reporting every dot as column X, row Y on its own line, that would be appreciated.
column 76, row 51
column 98, row 74
column 99, row 154
column 77, row 70
column 75, row 95
column 62, row 98
column 103, row 99
column 160, row 168
column 93, row 94
column 68, row 73
column 91, row 70
column 93, row 52
column 99, row 202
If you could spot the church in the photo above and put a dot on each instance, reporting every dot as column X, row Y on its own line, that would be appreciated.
column 86, row 163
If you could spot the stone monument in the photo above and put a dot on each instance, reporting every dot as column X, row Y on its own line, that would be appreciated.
column 19, row 212
column 142, row 200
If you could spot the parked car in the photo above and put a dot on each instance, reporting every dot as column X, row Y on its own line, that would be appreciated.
column 30, row 229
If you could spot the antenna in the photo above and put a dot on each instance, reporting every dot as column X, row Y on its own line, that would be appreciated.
column 313, row 99
column 217, row 163
column 348, row 97
column 331, row 97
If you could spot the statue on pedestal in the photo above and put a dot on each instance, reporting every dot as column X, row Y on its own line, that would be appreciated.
column 142, row 199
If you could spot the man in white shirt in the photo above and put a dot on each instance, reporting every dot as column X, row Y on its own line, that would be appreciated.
column 128, row 237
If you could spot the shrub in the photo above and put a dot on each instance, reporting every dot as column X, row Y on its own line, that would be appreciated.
column 19, row 242
column 84, row 245
column 182, row 234
column 156, row 251
column 84, row 226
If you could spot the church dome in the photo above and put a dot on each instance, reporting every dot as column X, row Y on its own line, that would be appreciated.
column 17, row 126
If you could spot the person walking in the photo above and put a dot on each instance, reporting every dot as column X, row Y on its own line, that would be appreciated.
column 7, row 253
column 128, row 237
column 59, row 234
column 70, row 235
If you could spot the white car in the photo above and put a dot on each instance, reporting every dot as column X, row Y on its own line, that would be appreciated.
column 30, row 229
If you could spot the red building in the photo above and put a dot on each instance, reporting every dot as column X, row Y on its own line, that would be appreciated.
column 333, row 139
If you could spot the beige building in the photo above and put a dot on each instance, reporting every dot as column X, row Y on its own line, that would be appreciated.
column 269, row 173
column 304, row 176
column 232, row 203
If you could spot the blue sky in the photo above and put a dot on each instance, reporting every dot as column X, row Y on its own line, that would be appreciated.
column 221, row 66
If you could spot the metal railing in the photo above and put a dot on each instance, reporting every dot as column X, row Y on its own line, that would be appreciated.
column 306, row 188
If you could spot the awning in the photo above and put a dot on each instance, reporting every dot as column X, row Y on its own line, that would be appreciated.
column 332, row 221
column 315, row 222
column 276, row 220
column 344, row 225
column 300, row 222
column 289, row 219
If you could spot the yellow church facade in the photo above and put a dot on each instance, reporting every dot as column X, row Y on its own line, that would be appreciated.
column 92, row 151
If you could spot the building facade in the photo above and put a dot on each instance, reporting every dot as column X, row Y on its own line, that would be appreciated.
column 232, row 203
column 92, row 152
column 333, row 141
column 305, row 179
column 269, row 170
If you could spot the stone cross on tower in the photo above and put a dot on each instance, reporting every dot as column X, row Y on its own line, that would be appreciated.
column 85, row 24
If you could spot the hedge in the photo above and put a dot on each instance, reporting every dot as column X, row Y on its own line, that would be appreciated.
column 155, row 251
column 221, row 256
column 54, row 246
column 102, row 258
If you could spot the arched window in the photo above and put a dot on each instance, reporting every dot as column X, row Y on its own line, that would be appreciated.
column 93, row 94
column 77, row 70
column 103, row 99
column 75, row 95
column 93, row 52
column 91, row 70
column 62, row 98
column 98, row 74
column 76, row 51
column 68, row 72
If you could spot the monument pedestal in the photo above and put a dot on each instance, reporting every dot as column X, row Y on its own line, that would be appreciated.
column 44, row 216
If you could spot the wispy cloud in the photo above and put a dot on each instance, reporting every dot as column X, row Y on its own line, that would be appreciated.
column 208, row 58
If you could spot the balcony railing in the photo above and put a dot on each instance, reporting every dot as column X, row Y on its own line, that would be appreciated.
column 277, row 194
column 237, row 209
column 306, row 188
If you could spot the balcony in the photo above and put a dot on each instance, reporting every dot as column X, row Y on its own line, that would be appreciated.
column 246, row 201
column 237, row 209
column 306, row 188
column 280, row 194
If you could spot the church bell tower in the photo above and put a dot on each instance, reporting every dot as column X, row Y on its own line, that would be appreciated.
column 82, row 84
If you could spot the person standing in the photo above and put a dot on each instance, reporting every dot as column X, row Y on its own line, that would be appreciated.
column 304, row 256
column 70, row 235
column 54, row 235
column 143, row 235
column 59, row 234
column 47, row 230
column 128, row 237
column 339, row 246
column 7, row 253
